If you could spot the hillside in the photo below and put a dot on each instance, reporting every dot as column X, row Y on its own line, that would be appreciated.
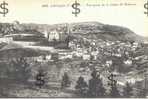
column 91, row 30
column 30, row 51
column 96, row 30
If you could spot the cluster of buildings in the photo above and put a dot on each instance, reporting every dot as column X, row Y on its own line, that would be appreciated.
column 6, row 39
column 58, row 34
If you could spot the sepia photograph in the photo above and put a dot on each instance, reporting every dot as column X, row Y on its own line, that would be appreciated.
column 73, row 49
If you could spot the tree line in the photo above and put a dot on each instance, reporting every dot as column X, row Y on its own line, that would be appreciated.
column 96, row 89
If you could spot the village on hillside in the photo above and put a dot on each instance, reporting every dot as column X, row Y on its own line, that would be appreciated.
column 60, row 61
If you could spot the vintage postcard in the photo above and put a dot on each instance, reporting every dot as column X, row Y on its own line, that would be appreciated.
column 73, row 49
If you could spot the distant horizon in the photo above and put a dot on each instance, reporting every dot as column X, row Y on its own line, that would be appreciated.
column 31, row 11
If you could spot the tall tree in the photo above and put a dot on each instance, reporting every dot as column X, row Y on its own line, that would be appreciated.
column 65, row 81
column 114, row 92
column 81, row 87
column 96, row 88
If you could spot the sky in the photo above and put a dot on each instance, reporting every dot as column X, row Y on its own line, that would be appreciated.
column 31, row 11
